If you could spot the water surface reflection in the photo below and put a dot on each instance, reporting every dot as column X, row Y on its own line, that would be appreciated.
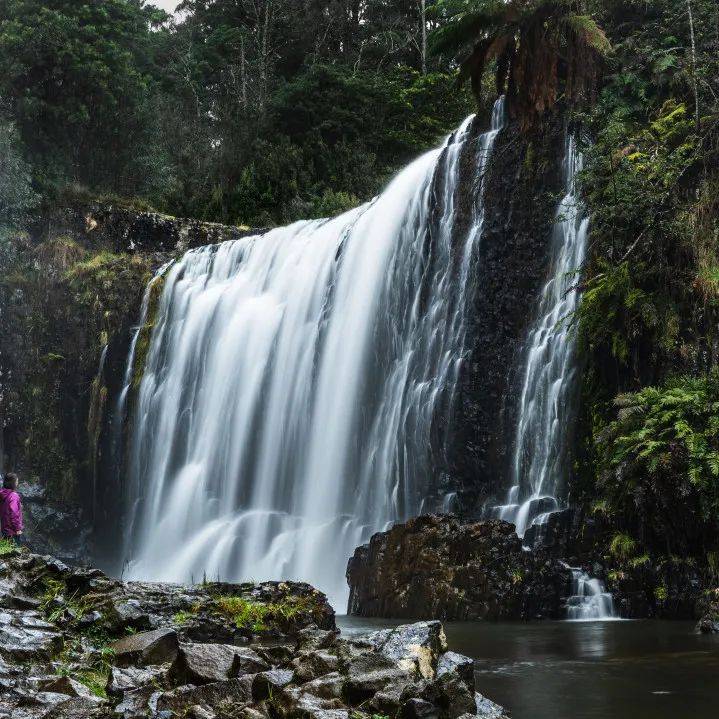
column 588, row 670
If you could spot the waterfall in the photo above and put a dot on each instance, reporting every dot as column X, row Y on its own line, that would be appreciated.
column 539, row 467
column 292, row 391
column 589, row 600
column 540, row 462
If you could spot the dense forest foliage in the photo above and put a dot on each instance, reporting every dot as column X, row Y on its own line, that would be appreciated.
column 244, row 111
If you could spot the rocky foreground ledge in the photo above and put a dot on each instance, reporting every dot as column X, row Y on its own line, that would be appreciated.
column 76, row 644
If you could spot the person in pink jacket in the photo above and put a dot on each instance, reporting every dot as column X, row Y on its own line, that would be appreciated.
column 10, row 507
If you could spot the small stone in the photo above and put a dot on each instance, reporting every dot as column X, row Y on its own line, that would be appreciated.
column 487, row 709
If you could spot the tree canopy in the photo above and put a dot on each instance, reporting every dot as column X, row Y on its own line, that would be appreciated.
column 540, row 49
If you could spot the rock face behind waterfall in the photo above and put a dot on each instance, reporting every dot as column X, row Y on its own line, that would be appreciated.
column 75, row 644
column 437, row 567
column 510, row 267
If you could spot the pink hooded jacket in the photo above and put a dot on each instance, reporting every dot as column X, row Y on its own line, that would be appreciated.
column 10, row 512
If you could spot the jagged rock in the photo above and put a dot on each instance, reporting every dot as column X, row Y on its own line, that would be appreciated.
column 156, row 647
column 247, row 661
column 265, row 684
column 414, row 647
column 65, row 685
column 238, row 691
column 369, row 674
column 307, row 673
column 451, row 662
column 419, row 709
column 138, row 704
column 204, row 663
column 23, row 644
column 312, row 664
column 313, row 638
column 487, row 709
column 122, row 680
column 76, row 708
column 128, row 614
column 328, row 686
column 294, row 702
column 435, row 566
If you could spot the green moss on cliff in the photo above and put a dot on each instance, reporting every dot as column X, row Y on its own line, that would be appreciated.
column 144, row 337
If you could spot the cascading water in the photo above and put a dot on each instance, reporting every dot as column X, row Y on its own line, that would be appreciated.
column 540, row 464
column 589, row 600
column 294, row 381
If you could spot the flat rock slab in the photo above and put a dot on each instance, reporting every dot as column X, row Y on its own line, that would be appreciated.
column 22, row 644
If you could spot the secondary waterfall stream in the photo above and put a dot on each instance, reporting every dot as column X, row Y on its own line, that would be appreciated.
column 294, row 381
column 540, row 464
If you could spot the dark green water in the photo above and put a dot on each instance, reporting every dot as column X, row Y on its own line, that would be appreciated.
column 588, row 670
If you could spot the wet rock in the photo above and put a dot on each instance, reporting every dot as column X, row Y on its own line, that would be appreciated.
column 248, row 661
column 128, row 614
column 237, row 691
column 265, row 684
column 65, row 685
column 451, row 662
column 435, row 566
column 156, row 647
column 22, row 644
column 294, row 702
column 414, row 647
column 203, row 663
column 138, row 704
column 312, row 664
column 127, row 679
column 306, row 673
column 328, row 686
column 419, row 709
column 487, row 709
column 313, row 638
column 369, row 674
column 76, row 708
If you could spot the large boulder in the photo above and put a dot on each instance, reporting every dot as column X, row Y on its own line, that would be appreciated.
column 205, row 663
column 156, row 647
column 436, row 566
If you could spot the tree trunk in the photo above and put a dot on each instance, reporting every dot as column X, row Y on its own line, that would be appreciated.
column 695, row 80
column 423, row 20
column 243, row 74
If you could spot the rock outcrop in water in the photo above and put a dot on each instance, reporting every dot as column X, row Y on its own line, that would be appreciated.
column 75, row 644
column 435, row 566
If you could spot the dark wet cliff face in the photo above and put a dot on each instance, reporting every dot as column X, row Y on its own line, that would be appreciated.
column 510, row 268
column 70, row 293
